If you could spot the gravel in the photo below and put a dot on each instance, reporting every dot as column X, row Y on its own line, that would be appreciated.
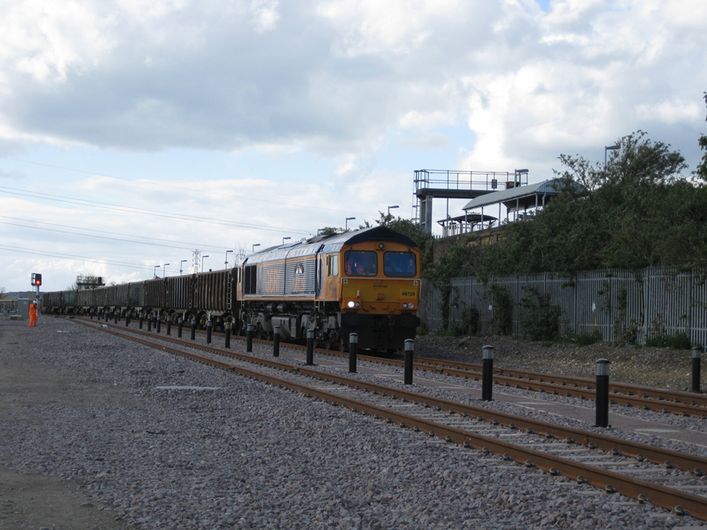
column 246, row 455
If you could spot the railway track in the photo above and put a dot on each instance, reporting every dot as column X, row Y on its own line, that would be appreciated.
column 666, row 478
column 669, row 401
column 642, row 397
column 681, row 403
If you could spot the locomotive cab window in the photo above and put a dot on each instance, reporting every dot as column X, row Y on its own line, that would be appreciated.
column 361, row 263
column 249, row 280
column 332, row 265
column 399, row 264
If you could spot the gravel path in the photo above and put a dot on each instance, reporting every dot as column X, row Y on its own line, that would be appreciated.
column 88, row 408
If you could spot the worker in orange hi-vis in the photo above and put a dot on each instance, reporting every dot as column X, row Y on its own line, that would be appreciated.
column 33, row 314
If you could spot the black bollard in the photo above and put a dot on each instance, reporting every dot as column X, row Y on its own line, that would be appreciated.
column 487, row 373
column 276, row 342
column 250, row 329
column 193, row 329
column 696, row 376
column 310, row 347
column 602, row 397
column 149, row 323
column 91, row 315
column 228, row 334
column 180, row 323
column 409, row 354
column 127, row 320
column 158, row 320
column 169, row 325
column 115, row 317
column 140, row 320
column 353, row 351
column 107, row 316
column 209, row 329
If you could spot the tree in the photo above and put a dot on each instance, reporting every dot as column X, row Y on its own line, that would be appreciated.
column 702, row 166
column 639, row 211
column 328, row 231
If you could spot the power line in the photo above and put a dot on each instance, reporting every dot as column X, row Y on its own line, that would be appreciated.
column 127, row 179
column 72, row 257
column 146, row 241
column 129, row 209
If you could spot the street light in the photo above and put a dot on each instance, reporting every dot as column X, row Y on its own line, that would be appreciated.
column 164, row 270
column 285, row 238
column 610, row 148
column 347, row 222
column 392, row 207
column 180, row 265
column 225, row 263
column 154, row 271
column 202, row 261
column 253, row 249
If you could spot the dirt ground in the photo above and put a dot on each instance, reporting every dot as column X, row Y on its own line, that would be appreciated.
column 657, row 367
column 30, row 501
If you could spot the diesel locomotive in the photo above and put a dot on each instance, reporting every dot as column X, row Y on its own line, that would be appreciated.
column 367, row 281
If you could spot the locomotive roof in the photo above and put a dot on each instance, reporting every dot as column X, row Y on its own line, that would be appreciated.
column 329, row 243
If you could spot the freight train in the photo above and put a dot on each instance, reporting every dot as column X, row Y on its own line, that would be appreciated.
column 365, row 281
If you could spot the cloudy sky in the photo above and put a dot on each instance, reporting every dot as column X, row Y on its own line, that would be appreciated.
column 135, row 131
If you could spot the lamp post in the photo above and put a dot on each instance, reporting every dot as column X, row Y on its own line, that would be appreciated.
column 225, row 262
column 346, row 225
column 285, row 239
column 253, row 249
column 202, row 261
column 164, row 270
column 607, row 148
column 393, row 207
column 154, row 271
column 180, row 265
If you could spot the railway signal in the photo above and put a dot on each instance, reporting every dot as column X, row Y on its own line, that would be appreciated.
column 36, row 279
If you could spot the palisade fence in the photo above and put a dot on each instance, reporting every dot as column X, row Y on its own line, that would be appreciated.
column 617, row 305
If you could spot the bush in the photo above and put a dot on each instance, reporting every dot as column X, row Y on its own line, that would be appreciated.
column 540, row 320
column 679, row 341
column 469, row 322
column 502, row 323
column 584, row 339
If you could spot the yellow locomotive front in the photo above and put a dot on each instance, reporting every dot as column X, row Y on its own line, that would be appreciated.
column 366, row 281
column 379, row 289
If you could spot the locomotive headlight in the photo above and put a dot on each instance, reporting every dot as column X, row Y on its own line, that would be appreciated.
column 351, row 304
column 408, row 305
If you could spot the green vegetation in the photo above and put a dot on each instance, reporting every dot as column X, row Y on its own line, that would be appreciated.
column 639, row 210
column 680, row 341
column 540, row 320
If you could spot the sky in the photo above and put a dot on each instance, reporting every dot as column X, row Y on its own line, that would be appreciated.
column 134, row 132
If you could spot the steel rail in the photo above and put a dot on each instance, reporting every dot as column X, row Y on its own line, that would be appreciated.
column 553, row 388
column 662, row 496
column 679, row 396
column 525, row 384
column 657, row 455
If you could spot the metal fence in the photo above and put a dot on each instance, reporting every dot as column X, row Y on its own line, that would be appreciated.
column 617, row 305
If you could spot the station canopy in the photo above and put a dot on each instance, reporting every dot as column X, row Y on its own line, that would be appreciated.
column 523, row 197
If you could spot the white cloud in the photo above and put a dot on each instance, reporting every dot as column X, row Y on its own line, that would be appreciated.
column 670, row 112
column 265, row 15
column 365, row 91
